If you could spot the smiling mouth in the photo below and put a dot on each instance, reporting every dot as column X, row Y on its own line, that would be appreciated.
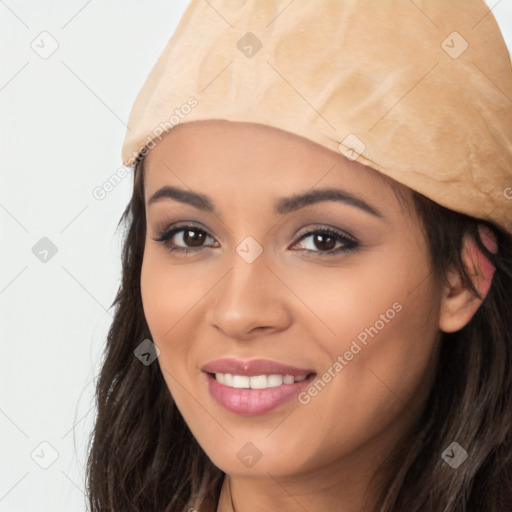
column 257, row 381
column 255, row 394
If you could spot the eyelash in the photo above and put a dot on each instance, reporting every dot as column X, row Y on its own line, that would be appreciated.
column 350, row 244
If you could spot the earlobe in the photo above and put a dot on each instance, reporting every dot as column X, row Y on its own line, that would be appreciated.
column 459, row 303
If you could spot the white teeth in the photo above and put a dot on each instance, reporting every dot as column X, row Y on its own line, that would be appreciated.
column 274, row 380
column 256, row 381
column 240, row 381
column 288, row 379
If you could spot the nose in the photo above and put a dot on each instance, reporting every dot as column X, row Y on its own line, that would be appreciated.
column 250, row 300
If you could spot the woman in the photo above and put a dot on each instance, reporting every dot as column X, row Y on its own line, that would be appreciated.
column 315, row 305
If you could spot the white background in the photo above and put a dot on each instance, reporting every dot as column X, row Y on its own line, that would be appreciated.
column 62, row 123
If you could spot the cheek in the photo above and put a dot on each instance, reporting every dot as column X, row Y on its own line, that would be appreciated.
column 174, row 301
column 376, row 330
column 367, row 294
column 171, row 293
column 164, row 300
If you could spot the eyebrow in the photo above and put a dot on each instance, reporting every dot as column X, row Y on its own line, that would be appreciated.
column 283, row 206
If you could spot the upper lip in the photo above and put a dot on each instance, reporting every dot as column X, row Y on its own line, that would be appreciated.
column 253, row 367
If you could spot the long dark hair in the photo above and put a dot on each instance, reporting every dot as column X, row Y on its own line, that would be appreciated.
column 143, row 457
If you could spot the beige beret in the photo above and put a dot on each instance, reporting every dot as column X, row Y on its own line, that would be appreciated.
column 420, row 90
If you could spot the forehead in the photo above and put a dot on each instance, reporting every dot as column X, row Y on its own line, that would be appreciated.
column 248, row 161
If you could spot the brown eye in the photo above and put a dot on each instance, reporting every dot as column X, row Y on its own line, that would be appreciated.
column 324, row 241
column 184, row 239
column 193, row 238
column 327, row 242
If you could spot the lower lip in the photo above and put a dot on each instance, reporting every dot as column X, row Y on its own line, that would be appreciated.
column 254, row 401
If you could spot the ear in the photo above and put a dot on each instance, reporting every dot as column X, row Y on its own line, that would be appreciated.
column 459, row 304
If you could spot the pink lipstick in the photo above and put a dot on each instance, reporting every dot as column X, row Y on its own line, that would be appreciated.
column 256, row 386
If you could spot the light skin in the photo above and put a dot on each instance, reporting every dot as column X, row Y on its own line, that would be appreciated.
column 292, row 305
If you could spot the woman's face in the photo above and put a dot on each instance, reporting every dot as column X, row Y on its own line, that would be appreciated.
column 336, row 284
